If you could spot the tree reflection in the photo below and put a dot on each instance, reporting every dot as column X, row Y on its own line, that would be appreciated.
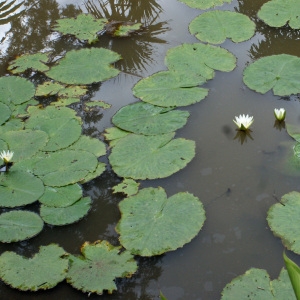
column 271, row 41
column 137, row 51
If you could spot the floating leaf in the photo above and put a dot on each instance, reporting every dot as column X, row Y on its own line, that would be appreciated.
column 85, row 66
column 65, row 167
column 152, row 224
column 114, row 134
column 199, row 60
column 66, row 215
column 277, row 72
column 5, row 113
column 170, row 89
column 204, row 4
column 101, row 104
column 15, row 89
column 25, row 143
column 34, row 62
column 150, row 157
column 283, row 219
column 215, row 26
column 62, row 129
column 122, row 29
column 20, row 110
column 277, row 13
column 256, row 284
column 89, row 144
column 11, row 125
column 64, row 102
column 19, row 188
column 293, row 131
column 144, row 118
column 127, row 186
column 48, row 88
column 43, row 271
column 99, row 266
column 19, row 225
column 92, row 175
column 84, row 27
column 61, row 196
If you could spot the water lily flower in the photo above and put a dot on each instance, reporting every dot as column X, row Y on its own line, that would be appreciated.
column 243, row 122
column 279, row 114
column 6, row 156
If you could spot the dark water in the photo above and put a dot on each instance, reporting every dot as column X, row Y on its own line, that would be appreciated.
column 236, row 178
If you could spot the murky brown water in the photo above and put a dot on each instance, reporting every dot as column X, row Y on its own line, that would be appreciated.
column 235, row 181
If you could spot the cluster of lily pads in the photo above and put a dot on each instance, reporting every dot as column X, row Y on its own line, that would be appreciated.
column 52, row 158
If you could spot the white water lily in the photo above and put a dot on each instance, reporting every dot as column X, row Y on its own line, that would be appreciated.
column 6, row 155
column 279, row 114
column 243, row 122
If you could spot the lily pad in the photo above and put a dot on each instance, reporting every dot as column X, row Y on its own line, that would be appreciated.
column 89, row 144
column 100, row 265
column 34, row 62
column 277, row 72
column 127, row 186
column 61, row 196
column 284, row 220
column 150, row 157
column 101, row 104
column 66, row 215
column 85, row 66
column 16, row 90
column 25, row 143
column 204, row 4
column 11, row 125
column 19, row 188
column 84, row 27
column 5, row 113
column 277, row 13
column 199, row 60
column 43, row 271
column 62, row 129
column 92, row 175
column 256, row 284
column 122, row 29
column 48, row 88
column 147, row 119
column 114, row 134
column 152, row 224
column 168, row 88
column 215, row 26
column 19, row 225
column 65, row 167
column 293, row 131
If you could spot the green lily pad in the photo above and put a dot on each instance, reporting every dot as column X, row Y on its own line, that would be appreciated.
column 66, row 215
column 92, row 175
column 34, row 62
column 43, row 271
column 85, row 66
column 147, row 119
column 168, row 88
column 48, row 88
column 150, row 157
column 89, row 144
column 5, row 113
column 152, row 224
column 20, row 110
column 101, row 104
column 16, row 90
column 62, row 129
column 277, row 13
column 256, row 284
column 114, row 134
column 11, row 125
column 65, row 167
column 100, row 265
column 127, row 186
column 25, row 143
column 61, row 196
column 126, row 29
column 215, row 26
column 19, row 188
column 19, row 225
column 84, row 27
column 284, row 221
column 293, row 131
column 199, row 60
column 277, row 72
column 62, row 102
column 204, row 4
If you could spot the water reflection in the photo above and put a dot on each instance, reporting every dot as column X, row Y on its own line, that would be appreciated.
column 138, row 51
column 243, row 136
column 279, row 125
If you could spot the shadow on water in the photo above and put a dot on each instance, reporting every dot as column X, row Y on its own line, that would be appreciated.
column 236, row 175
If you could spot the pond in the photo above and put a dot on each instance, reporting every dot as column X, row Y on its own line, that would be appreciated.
column 237, row 177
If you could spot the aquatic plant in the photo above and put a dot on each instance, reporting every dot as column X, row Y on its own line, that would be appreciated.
column 243, row 122
column 279, row 114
